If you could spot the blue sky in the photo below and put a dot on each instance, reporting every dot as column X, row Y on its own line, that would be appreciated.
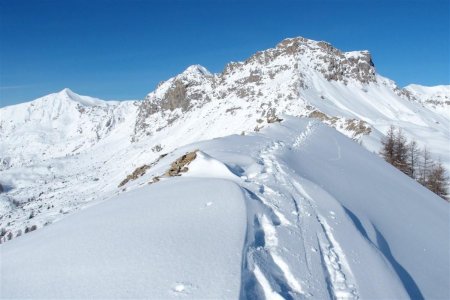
column 122, row 49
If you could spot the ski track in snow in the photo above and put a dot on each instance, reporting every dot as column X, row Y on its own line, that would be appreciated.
column 288, row 202
column 271, row 271
column 339, row 272
column 304, row 135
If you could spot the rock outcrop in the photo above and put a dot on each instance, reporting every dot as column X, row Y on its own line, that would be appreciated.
column 181, row 164
column 270, row 76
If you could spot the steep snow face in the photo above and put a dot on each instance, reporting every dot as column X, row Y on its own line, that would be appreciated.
column 436, row 98
column 295, row 211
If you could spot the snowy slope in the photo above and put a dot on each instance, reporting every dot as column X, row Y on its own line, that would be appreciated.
column 295, row 211
column 57, row 125
column 436, row 98
column 151, row 242
column 53, row 152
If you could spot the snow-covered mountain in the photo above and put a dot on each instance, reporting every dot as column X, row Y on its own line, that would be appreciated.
column 298, row 77
column 434, row 97
column 57, row 125
column 64, row 152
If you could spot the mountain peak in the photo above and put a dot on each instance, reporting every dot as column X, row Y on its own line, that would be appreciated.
column 299, row 42
column 68, row 94
column 308, row 56
column 197, row 69
column 66, row 90
column 294, row 40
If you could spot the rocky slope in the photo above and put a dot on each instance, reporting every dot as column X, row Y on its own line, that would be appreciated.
column 298, row 77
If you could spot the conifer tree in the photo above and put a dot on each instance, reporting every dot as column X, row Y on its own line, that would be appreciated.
column 413, row 159
column 437, row 180
column 388, row 143
column 417, row 164
column 400, row 152
column 426, row 165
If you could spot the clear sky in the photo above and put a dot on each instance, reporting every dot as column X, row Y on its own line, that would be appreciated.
column 122, row 49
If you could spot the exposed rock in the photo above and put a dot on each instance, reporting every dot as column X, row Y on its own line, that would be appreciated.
column 190, row 89
column 140, row 171
column 231, row 67
column 29, row 229
column 438, row 102
column 175, row 97
column 273, row 119
column 254, row 77
column 1, row 188
column 258, row 128
column 157, row 148
column 359, row 127
column 271, row 115
column 180, row 165
column 154, row 179
column 233, row 109
column 322, row 117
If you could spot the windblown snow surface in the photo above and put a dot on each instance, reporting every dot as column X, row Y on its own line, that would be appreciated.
column 295, row 211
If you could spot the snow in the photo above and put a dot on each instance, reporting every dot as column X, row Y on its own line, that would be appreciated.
column 436, row 98
column 197, row 69
column 420, row 89
column 319, row 211
column 356, row 54
column 295, row 211
column 155, row 242
column 84, row 100
column 206, row 166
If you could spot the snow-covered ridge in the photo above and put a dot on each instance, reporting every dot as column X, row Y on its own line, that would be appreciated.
column 428, row 90
column 292, row 212
column 66, row 93
column 436, row 98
